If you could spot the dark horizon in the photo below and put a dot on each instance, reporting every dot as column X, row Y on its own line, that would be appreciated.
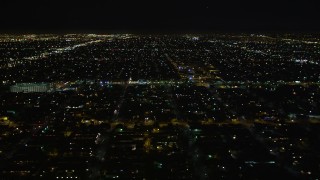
column 158, row 16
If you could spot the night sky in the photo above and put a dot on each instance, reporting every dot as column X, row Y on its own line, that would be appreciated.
column 158, row 15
